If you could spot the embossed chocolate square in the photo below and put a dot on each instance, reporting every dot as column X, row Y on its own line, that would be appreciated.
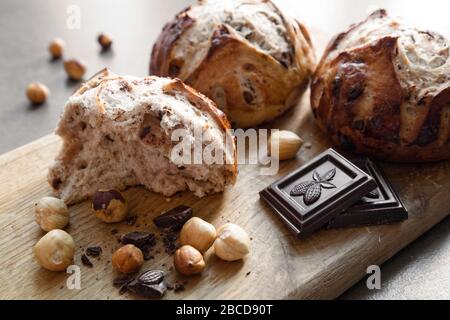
column 381, row 206
column 317, row 192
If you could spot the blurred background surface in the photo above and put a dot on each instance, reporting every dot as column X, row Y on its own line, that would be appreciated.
column 421, row 271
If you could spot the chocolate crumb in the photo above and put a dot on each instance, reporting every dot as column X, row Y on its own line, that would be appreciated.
column 94, row 251
column 131, row 220
column 247, row 274
column 179, row 287
column 86, row 262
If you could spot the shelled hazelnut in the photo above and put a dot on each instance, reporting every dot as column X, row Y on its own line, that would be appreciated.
column 51, row 213
column 188, row 261
column 37, row 93
column 75, row 69
column 232, row 242
column 109, row 206
column 288, row 144
column 198, row 233
column 56, row 48
column 105, row 41
column 55, row 250
column 128, row 259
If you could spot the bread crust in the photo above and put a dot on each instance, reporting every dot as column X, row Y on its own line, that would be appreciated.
column 250, row 84
column 373, row 94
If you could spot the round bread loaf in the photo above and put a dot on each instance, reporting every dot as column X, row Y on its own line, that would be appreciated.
column 248, row 57
column 382, row 88
column 121, row 131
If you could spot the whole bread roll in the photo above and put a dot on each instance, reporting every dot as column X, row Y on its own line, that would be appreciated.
column 117, row 132
column 382, row 88
column 248, row 57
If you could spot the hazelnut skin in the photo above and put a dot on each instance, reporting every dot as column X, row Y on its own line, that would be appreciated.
column 105, row 41
column 128, row 259
column 51, row 213
column 188, row 261
column 55, row 250
column 109, row 206
column 198, row 233
column 75, row 69
column 232, row 242
column 37, row 93
column 56, row 48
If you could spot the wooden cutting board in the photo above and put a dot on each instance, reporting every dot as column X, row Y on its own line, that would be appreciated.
column 323, row 265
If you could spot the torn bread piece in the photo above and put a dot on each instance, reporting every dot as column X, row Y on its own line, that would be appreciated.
column 121, row 131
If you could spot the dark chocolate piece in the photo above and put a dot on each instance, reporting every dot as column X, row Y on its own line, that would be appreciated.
column 173, row 219
column 94, row 251
column 380, row 206
column 317, row 192
column 150, row 284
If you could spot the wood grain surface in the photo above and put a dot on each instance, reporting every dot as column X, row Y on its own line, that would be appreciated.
column 321, row 266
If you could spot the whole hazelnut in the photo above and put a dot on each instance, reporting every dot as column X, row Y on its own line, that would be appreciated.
column 128, row 259
column 55, row 250
column 198, row 233
column 232, row 242
column 288, row 144
column 51, row 213
column 105, row 41
column 188, row 261
column 75, row 69
column 109, row 206
column 56, row 48
column 37, row 93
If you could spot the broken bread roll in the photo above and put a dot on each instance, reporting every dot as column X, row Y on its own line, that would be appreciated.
column 121, row 131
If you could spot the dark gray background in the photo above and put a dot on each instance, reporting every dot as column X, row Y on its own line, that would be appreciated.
column 420, row 271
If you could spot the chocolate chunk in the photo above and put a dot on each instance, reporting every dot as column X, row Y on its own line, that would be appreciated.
column 173, row 219
column 179, row 287
column 248, row 97
column 150, row 284
column 381, row 205
column 170, row 242
column 139, row 239
column 86, row 262
column 94, row 251
column 317, row 192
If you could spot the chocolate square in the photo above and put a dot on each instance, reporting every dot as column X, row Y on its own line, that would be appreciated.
column 380, row 206
column 317, row 192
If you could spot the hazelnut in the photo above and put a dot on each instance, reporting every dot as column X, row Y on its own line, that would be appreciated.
column 56, row 48
column 109, row 206
column 232, row 242
column 37, row 93
column 75, row 69
column 128, row 259
column 188, row 261
column 105, row 41
column 51, row 213
column 198, row 233
column 288, row 144
column 55, row 250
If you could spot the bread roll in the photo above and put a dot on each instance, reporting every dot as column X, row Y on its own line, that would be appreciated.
column 382, row 88
column 252, row 60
